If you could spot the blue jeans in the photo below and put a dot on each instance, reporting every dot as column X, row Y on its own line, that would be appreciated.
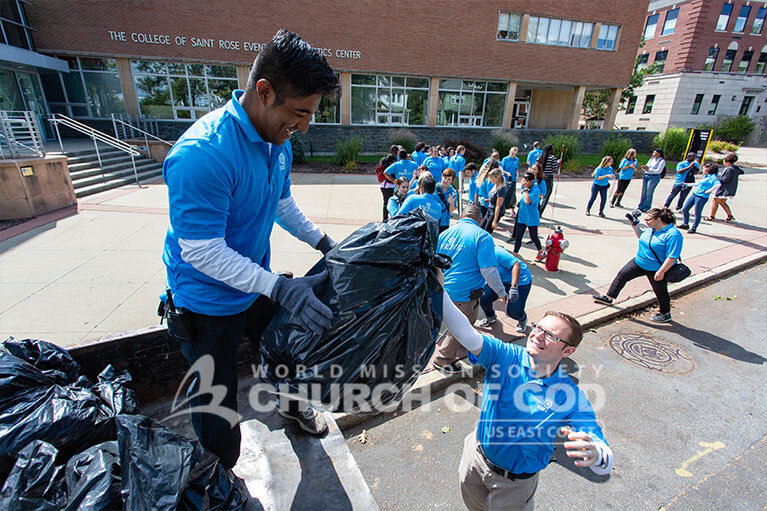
column 602, row 191
column 649, row 182
column 515, row 310
column 698, row 202
column 683, row 192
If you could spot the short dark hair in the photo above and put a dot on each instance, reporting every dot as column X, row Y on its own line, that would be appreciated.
column 665, row 215
column 293, row 68
column 419, row 146
column 710, row 167
column 472, row 211
column 730, row 157
column 576, row 330
column 403, row 155
column 536, row 144
column 470, row 166
column 529, row 176
column 427, row 182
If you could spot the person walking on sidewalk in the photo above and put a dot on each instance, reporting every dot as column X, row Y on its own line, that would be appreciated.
column 496, row 201
column 457, row 161
column 625, row 173
column 447, row 195
column 510, row 166
column 532, row 156
column 528, row 217
column 700, row 196
column 550, row 164
column 660, row 247
column 602, row 175
column 651, row 178
column 685, row 170
column 474, row 265
column 217, row 248
column 517, row 281
column 528, row 400
column 729, row 186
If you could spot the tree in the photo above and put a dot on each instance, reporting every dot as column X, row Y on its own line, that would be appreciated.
column 595, row 103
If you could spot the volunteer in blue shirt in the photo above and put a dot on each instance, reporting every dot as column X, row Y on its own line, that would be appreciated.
column 396, row 200
column 685, row 174
column 458, row 162
column 517, row 281
column 532, row 156
column 435, row 163
column 699, row 197
column 602, row 175
column 424, row 199
column 510, row 166
column 528, row 217
column 651, row 178
column 528, row 400
column 404, row 167
column 660, row 247
column 470, row 174
column 626, row 171
column 418, row 153
column 228, row 180
column 472, row 252
column 447, row 195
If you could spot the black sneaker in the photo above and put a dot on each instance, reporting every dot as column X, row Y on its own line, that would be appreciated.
column 691, row 231
column 309, row 420
column 449, row 369
column 661, row 318
column 683, row 226
column 603, row 299
column 602, row 215
column 488, row 321
column 588, row 213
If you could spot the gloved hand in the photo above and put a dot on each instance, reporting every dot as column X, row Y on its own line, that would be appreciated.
column 325, row 244
column 513, row 294
column 297, row 296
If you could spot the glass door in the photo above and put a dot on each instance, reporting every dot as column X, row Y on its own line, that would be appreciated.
column 35, row 101
column 10, row 95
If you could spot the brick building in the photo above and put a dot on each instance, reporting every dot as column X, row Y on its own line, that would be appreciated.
column 513, row 64
column 712, row 63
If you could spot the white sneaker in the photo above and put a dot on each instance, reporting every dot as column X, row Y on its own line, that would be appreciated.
column 488, row 321
column 522, row 326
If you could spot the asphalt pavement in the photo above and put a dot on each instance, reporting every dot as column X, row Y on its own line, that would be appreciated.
column 683, row 411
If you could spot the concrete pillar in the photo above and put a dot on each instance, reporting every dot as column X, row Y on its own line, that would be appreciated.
column 575, row 111
column 523, row 28
column 612, row 108
column 346, row 98
column 433, row 102
column 129, row 91
column 512, row 94
column 242, row 76
column 595, row 35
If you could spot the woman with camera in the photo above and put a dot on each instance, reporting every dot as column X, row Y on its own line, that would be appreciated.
column 659, row 249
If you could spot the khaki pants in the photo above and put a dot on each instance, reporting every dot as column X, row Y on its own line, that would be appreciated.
column 484, row 490
column 448, row 348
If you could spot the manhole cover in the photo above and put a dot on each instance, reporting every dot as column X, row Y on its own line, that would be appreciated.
column 653, row 353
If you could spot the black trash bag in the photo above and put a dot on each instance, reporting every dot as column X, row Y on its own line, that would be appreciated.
column 163, row 470
column 93, row 479
column 35, row 482
column 387, row 310
column 116, row 396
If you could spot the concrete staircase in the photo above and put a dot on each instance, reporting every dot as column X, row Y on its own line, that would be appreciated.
column 116, row 170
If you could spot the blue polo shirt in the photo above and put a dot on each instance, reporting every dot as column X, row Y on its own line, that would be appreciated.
column 602, row 171
column 528, row 213
column 418, row 157
column 457, row 163
column 446, row 160
column 521, row 414
column 223, row 181
column 510, row 167
column 471, row 248
column 666, row 243
column 473, row 189
column 707, row 183
column 628, row 172
column 393, row 205
column 506, row 262
column 436, row 166
column 483, row 191
column 450, row 192
column 542, row 186
column 402, row 168
column 679, row 178
column 428, row 202
column 533, row 155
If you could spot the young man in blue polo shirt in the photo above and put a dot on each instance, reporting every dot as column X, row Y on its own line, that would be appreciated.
column 435, row 163
column 683, row 169
column 425, row 199
column 533, row 155
column 527, row 401
column 228, row 180
column 404, row 167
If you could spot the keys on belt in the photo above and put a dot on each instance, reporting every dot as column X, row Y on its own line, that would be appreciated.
column 500, row 471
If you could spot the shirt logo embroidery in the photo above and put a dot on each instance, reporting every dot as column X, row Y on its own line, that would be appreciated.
column 283, row 160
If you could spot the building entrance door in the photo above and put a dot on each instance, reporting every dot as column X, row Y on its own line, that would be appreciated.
column 10, row 95
column 33, row 97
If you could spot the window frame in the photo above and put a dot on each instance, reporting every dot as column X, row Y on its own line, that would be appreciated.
column 470, row 118
column 391, row 87
column 631, row 105
column 662, row 63
column 715, row 51
column 696, row 104
column 743, row 18
column 732, row 52
column 761, row 61
column 649, row 103
column 761, row 14
column 745, row 105
column 508, row 15
column 647, row 26
column 666, row 21
column 608, row 29
column 714, row 104
column 535, row 35
column 76, row 70
column 750, row 54
column 725, row 17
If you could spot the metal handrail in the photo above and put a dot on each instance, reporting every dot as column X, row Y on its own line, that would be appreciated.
column 135, row 128
column 21, row 123
column 96, row 136
column 16, row 142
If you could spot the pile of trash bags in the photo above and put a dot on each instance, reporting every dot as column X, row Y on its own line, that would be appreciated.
column 67, row 443
column 386, row 300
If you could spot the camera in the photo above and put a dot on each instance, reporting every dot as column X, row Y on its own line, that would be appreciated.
column 633, row 217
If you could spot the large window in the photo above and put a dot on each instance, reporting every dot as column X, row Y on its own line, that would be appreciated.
column 762, row 62
column 746, row 105
column 651, row 26
column 608, row 35
column 729, row 57
column 696, row 104
column 15, row 30
column 174, row 90
column 759, row 21
column 329, row 111
column 398, row 100
column 641, row 63
column 631, row 105
column 509, row 25
column 559, row 32
column 714, row 104
column 471, row 103
column 740, row 22
column 670, row 24
column 745, row 61
column 713, row 53
column 724, row 17
column 660, row 60
column 648, row 103
column 90, row 89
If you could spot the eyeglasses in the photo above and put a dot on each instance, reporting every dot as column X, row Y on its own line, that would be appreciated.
column 547, row 335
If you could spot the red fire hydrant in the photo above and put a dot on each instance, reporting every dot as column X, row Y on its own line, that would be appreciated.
column 555, row 245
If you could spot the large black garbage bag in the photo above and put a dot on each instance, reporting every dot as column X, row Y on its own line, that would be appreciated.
column 387, row 310
column 93, row 479
column 35, row 482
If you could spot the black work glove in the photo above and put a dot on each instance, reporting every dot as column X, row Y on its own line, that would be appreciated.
column 325, row 245
column 298, row 297
column 513, row 294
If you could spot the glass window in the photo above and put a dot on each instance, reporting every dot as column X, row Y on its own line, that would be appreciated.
column 223, row 71
column 729, row 56
column 15, row 27
column 641, row 63
column 384, row 100
column 745, row 105
column 473, row 104
column 153, row 95
column 53, row 89
column 670, row 24
column 745, row 61
column 714, row 104
column 559, row 32
column 724, row 17
column 696, row 104
column 220, row 91
column 631, row 105
column 509, row 25
column 554, row 26
column 105, row 94
column 532, row 28
column 363, row 80
column 740, row 21
column 759, row 21
column 608, row 35
column 95, row 64
column 651, row 26
column 660, row 61
column 73, row 84
column 588, row 28
column 761, row 63
column 543, row 30
column 713, row 53
column 648, row 102
column 10, row 11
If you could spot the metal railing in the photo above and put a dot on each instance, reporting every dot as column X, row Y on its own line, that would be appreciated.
column 123, row 127
column 133, row 124
column 19, row 132
column 97, row 136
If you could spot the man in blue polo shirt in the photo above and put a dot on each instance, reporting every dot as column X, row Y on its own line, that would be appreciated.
column 418, row 154
column 527, row 401
column 517, row 281
column 533, row 155
column 458, row 162
column 425, row 199
column 404, row 167
column 683, row 169
column 435, row 163
column 228, row 180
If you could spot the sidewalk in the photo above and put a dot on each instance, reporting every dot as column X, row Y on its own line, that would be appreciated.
column 77, row 275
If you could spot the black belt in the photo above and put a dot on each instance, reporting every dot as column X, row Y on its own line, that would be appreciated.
column 500, row 471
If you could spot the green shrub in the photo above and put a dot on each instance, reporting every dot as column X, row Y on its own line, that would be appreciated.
column 503, row 141
column 720, row 146
column 673, row 141
column 298, row 149
column 572, row 144
column 348, row 150
column 571, row 166
column 404, row 137
column 474, row 153
column 616, row 146
column 734, row 129
column 350, row 165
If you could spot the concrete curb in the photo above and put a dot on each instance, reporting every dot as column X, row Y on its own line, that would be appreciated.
column 436, row 381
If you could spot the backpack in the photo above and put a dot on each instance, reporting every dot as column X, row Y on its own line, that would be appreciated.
column 663, row 172
column 380, row 173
